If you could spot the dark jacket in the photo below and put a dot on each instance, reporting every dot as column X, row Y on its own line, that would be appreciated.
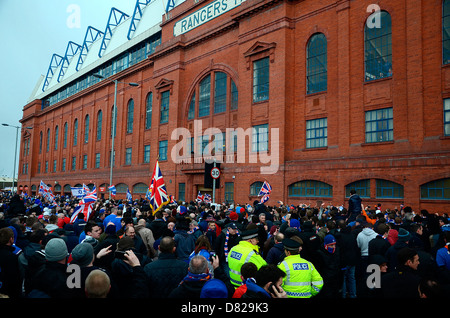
column 401, row 283
column 185, row 244
column 354, row 207
column 10, row 278
column 346, row 240
column 164, row 275
column 274, row 254
column 329, row 267
column 131, row 281
column 51, row 280
column 378, row 246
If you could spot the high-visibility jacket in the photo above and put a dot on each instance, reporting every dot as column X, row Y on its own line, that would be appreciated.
column 244, row 252
column 302, row 279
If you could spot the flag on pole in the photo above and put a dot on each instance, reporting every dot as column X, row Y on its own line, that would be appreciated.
column 159, row 196
column 129, row 197
column 207, row 198
column 265, row 191
column 113, row 190
column 86, row 209
column 200, row 197
column 46, row 192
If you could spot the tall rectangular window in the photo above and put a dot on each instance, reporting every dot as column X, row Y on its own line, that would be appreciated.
column 97, row 160
column 128, row 156
column 54, row 165
column 446, row 32
column 204, row 97
column 261, row 80
column 165, row 101
column 163, row 149
column 316, row 133
column 447, row 117
column 181, row 191
column 85, row 162
column 260, row 138
column 229, row 192
column 379, row 125
column 63, row 167
column 74, row 163
column 147, row 154
column 220, row 92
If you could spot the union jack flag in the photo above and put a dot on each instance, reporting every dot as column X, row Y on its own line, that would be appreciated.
column 200, row 197
column 265, row 189
column 91, row 196
column 86, row 209
column 264, row 198
column 207, row 198
column 158, row 192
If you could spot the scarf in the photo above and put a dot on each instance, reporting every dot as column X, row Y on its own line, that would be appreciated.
column 196, row 277
column 225, row 247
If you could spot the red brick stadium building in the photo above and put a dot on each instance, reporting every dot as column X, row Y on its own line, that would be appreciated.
column 330, row 94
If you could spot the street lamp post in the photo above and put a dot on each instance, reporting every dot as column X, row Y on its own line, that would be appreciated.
column 15, row 153
column 113, row 133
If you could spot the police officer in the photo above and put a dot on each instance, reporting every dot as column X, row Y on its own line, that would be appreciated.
column 302, row 279
column 246, row 251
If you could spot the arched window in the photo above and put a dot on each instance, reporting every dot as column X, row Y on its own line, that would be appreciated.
column 310, row 188
column 140, row 188
column 378, row 46
column 56, row 137
column 75, row 132
column 66, row 129
column 446, row 32
column 86, row 129
column 316, row 64
column 99, row 125
column 362, row 188
column 389, row 189
column 255, row 187
column 217, row 88
column 130, row 115
column 121, row 188
column 148, row 111
column 436, row 190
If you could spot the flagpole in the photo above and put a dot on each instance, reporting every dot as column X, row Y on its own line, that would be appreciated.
column 214, row 185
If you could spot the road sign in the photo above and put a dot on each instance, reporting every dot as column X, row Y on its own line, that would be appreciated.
column 215, row 173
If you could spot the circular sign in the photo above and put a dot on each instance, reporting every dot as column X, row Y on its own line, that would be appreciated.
column 215, row 173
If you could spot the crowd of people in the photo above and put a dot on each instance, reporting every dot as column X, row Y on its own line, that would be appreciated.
column 197, row 250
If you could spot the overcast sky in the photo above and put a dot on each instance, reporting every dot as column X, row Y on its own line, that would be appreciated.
column 31, row 31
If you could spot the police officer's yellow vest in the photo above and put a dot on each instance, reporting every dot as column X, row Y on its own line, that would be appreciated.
column 240, row 254
column 302, row 279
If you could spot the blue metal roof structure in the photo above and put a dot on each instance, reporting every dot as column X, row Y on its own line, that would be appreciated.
column 137, row 15
column 71, row 50
column 115, row 18
column 54, row 64
column 91, row 36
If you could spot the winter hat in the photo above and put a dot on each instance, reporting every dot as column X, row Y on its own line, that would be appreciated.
column 83, row 254
column 403, row 235
column 56, row 250
column 329, row 239
column 214, row 288
column 294, row 223
column 234, row 216
column 181, row 209
column 110, row 229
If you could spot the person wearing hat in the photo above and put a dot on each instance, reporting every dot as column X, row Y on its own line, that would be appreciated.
column 246, row 251
column 391, row 253
column 51, row 280
column 302, row 279
column 329, row 267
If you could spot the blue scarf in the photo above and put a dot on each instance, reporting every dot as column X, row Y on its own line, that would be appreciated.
column 195, row 277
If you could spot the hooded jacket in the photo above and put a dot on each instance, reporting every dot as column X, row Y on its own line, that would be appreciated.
column 363, row 239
